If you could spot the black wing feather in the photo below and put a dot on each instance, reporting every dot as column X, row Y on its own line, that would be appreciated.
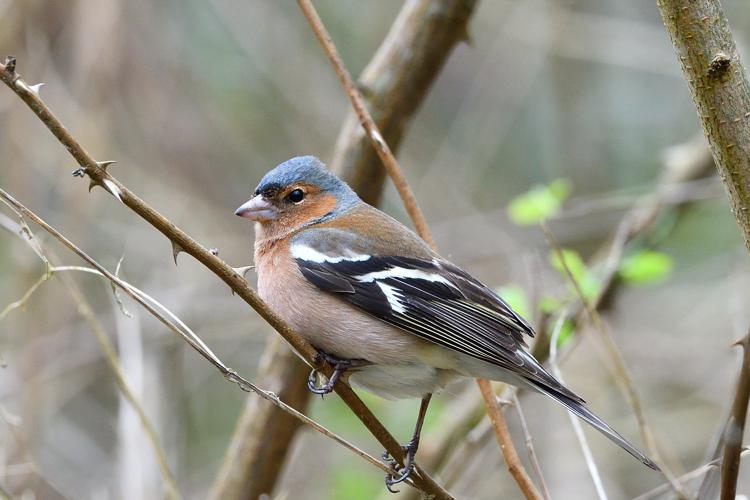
column 452, row 309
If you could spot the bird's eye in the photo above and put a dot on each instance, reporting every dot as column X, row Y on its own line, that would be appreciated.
column 296, row 196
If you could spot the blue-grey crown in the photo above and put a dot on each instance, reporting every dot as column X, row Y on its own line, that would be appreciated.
column 309, row 170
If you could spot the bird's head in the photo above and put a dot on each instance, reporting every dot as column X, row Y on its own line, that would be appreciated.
column 296, row 193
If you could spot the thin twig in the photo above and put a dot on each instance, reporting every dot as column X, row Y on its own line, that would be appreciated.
column 177, row 326
column 182, row 242
column 620, row 368
column 730, row 465
column 402, row 186
column 688, row 476
column 105, row 345
column 358, row 103
column 582, row 441
column 502, row 434
column 529, row 444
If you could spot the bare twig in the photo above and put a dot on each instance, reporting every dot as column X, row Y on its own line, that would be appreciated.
column 503, row 437
column 588, row 456
column 530, row 444
column 174, row 324
column 376, row 138
column 182, row 242
column 263, row 434
column 620, row 368
column 733, row 434
column 721, row 92
column 395, row 83
column 688, row 476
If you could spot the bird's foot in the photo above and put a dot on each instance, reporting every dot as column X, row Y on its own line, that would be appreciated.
column 399, row 475
column 339, row 367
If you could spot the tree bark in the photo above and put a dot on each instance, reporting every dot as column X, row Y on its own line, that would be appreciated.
column 708, row 55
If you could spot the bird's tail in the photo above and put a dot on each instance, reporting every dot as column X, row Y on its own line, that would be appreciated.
column 578, row 407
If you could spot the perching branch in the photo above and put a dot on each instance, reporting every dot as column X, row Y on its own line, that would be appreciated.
column 182, row 242
column 734, row 431
column 410, row 203
column 721, row 92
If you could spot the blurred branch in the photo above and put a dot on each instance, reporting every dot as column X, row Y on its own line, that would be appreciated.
column 396, row 82
column 693, row 474
column 530, row 444
column 415, row 213
column 730, row 464
column 182, row 242
column 574, row 421
column 171, row 321
column 502, row 434
column 110, row 355
column 683, row 164
column 711, row 65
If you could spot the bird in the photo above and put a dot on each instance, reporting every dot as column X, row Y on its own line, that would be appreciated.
column 381, row 306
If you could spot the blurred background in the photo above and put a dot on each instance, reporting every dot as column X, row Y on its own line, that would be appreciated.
column 196, row 100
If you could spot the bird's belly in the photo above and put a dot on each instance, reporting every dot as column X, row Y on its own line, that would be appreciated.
column 403, row 381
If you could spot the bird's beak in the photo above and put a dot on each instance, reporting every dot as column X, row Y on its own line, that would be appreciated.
column 258, row 209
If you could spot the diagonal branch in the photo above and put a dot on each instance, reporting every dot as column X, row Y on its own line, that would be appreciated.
column 181, row 241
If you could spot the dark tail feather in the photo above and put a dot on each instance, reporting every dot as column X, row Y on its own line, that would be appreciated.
column 579, row 408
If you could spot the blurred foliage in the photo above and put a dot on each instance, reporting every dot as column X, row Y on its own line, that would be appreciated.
column 539, row 204
column 645, row 266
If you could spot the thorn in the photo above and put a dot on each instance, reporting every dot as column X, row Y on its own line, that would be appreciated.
column 176, row 249
column 242, row 271
column 10, row 64
column 214, row 251
column 114, row 189
column 35, row 88
column 106, row 163
column 92, row 183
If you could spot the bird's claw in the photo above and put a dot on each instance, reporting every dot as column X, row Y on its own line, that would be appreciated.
column 399, row 475
column 339, row 367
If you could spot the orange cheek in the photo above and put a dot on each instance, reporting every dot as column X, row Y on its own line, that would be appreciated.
column 313, row 208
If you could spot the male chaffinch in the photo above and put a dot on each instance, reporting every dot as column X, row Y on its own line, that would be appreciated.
column 375, row 300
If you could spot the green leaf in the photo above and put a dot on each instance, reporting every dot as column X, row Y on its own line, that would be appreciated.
column 646, row 266
column 549, row 304
column 588, row 282
column 566, row 333
column 539, row 203
column 570, row 259
column 516, row 298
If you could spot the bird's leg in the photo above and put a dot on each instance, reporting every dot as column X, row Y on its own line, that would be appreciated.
column 339, row 367
column 410, row 450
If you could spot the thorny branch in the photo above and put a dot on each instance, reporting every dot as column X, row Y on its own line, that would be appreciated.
column 734, row 431
column 412, row 207
column 182, row 242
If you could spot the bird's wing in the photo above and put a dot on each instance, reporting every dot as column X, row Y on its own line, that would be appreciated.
column 427, row 297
